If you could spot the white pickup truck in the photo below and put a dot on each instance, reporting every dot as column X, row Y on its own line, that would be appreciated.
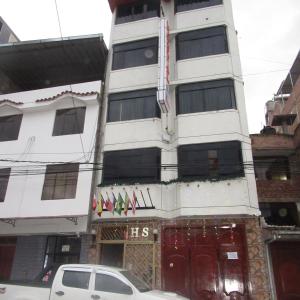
column 85, row 282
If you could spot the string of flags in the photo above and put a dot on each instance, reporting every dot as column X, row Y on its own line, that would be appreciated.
column 114, row 204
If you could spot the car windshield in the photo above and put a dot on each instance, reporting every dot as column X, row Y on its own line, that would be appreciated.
column 138, row 283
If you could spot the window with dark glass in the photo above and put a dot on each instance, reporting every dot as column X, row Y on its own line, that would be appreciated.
column 132, row 166
column 211, row 160
column 69, row 121
column 60, row 181
column 4, row 178
column 133, row 105
column 133, row 54
column 203, row 42
column 272, row 168
column 206, row 96
column 138, row 10
column 183, row 5
column 110, row 284
column 10, row 127
column 76, row 279
column 280, row 213
column 62, row 250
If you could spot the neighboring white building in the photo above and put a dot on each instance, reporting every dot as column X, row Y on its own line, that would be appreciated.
column 185, row 164
column 42, row 197
column 49, row 109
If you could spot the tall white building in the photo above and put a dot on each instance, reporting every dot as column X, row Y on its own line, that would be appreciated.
column 177, row 182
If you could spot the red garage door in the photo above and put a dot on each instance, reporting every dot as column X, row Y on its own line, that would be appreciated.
column 205, row 263
column 286, row 269
column 7, row 253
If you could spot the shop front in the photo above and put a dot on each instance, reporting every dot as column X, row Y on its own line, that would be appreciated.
column 197, row 258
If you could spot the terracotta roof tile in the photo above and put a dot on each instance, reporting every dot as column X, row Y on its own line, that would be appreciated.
column 65, row 93
column 11, row 102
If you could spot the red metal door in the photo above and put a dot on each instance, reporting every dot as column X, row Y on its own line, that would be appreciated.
column 206, row 265
column 7, row 253
column 286, row 268
column 176, row 263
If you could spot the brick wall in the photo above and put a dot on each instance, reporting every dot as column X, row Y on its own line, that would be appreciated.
column 277, row 190
column 29, row 257
column 271, row 142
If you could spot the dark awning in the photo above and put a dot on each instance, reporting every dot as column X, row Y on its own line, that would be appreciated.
column 279, row 120
column 286, row 86
column 47, row 63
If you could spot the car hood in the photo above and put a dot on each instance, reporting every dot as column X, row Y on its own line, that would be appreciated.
column 156, row 294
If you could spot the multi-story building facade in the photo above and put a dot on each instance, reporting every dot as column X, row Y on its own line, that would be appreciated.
column 6, row 34
column 177, row 200
column 277, row 161
column 49, row 108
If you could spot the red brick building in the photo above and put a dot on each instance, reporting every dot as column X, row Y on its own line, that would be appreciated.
column 276, row 154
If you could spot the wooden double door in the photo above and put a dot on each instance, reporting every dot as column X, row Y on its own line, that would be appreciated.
column 286, row 269
column 205, row 263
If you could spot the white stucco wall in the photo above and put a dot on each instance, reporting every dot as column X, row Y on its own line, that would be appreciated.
column 36, row 143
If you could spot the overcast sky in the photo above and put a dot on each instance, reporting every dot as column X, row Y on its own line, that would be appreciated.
column 268, row 32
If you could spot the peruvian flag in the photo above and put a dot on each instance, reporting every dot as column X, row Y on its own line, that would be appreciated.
column 94, row 205
column 108, row 204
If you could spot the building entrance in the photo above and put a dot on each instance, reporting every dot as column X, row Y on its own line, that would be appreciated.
column 286, row 269
column 205, row 263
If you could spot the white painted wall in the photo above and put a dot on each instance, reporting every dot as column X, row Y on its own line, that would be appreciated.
column 230, row 197
column 204, row 17
column 36, row 143
column 140, row 29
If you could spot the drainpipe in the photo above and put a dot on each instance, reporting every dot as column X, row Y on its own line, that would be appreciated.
column 97, row 148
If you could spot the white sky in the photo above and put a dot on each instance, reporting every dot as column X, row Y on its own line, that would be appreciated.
column 268, row 32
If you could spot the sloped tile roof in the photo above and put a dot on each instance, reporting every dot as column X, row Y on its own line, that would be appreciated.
column 66, row 93
column 11, row 102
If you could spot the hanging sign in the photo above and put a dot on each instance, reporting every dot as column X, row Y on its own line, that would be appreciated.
column 164, row 66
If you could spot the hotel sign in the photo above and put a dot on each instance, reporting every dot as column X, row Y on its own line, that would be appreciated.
column 164, row 66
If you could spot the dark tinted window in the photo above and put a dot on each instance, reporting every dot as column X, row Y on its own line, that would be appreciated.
column 280, row 214
column 205, row 96
column 210, row 160
column 135, row 54
column 60, row 182
column 138, row 10
column 4, row 177
column 272, row 168
column 110, row 284
column 76, row 279
column 183, row 5
column 204, row 42
column 62, row 250
column 10, row 127
column 133, row 105
column 69, row 121
column 133, row 166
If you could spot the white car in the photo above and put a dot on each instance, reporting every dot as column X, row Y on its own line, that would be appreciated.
column 85, row 282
